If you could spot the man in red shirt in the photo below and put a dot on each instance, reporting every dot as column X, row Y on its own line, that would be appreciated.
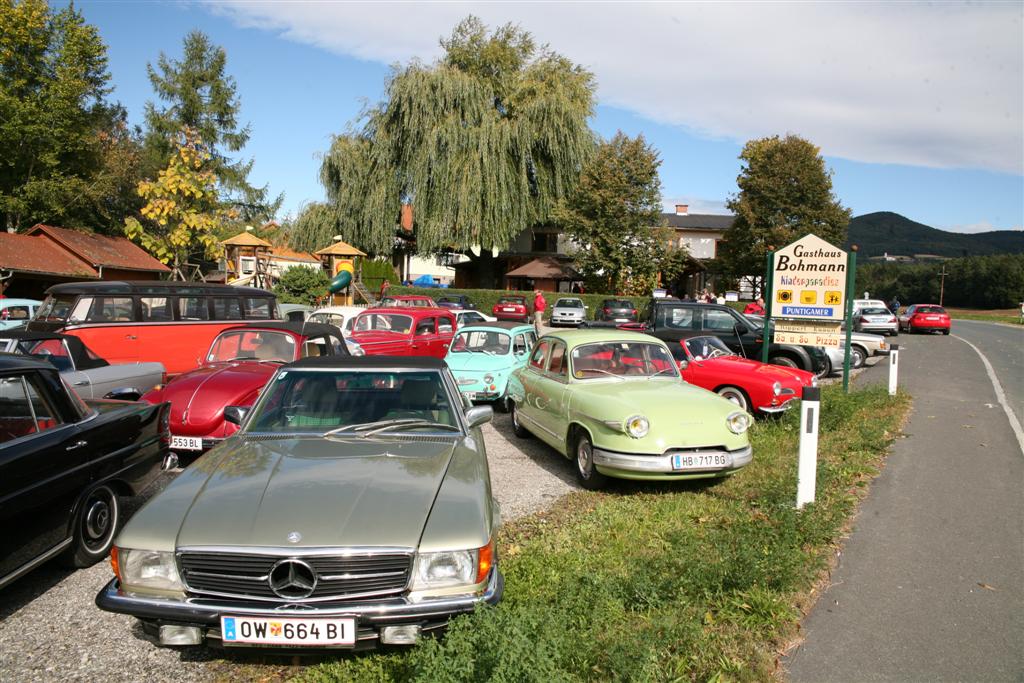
column 538, row 309
column 755, row 307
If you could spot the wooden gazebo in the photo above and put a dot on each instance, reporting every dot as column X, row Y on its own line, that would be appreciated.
column 247, row 245
column 333, row 258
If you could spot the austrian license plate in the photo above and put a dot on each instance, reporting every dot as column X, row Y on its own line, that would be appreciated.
column 699, row 461
column 187, row 443
column 289, row 632
column 509, row 309
column 471, row 395
column 931, row 317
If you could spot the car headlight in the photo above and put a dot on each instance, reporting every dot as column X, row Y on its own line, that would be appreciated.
column 354, row 349
column 153, row 569
column 738, row 422
column 637, row 426
column 452, row 568
column 777, row 388
column 814, row 381
column 488, row 378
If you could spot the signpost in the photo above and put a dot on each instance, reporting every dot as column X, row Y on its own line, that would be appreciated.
column 808, row 282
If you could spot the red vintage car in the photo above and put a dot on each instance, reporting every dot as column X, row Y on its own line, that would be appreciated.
column 754, row 386
column 925, row 318
column 240, row 362
column 404, row 331
column 512, row 307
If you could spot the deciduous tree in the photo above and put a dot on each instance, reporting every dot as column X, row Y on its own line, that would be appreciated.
column 301, row 285
column 182, row 210
column 196, row 92
column 785, row 192
column 614, row 215
column 484, row 143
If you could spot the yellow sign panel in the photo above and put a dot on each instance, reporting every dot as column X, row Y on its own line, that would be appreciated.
column 833, row 298
column 808, row 296
column 784, row 296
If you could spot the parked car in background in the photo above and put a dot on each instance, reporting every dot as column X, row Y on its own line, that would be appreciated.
column 456, row 301
column 166, row 322
column 341, row 317
column 862, row 347
column 568, row 310
column 512, row 307
column 613, row 402
column 352, row 509
column 616, row 310
column 236, row 367
column 752, row 385
column 858, row 304
column 672, row 320
column 404, row 300
column 404, row 331
column 925, row 318
column 876, row 319
column 90, row 375
column 295, row 313
column 17, row 312
column 463, row 318
column 483, row 357
column 64, row 463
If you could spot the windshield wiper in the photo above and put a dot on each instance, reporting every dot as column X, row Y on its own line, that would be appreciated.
column 407, row 424
column 363, row 426
column 610, row 374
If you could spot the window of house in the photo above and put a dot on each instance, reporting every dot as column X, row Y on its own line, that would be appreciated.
column 544, row 241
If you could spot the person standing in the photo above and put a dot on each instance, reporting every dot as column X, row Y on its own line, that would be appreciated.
column 538, row 310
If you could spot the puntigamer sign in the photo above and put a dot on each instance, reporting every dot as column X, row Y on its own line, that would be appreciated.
column 809, row 280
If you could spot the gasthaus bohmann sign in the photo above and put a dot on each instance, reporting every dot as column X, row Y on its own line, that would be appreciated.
column 809, row 281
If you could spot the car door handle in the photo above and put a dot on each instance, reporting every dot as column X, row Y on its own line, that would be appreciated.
column 76, row 445
column 81, row 383
column 130, row 336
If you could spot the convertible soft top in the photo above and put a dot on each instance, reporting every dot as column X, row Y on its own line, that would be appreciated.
column 81, row 356
column 368, row 362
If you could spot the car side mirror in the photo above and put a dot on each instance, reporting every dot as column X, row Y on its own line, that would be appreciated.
column 235, row 414
column 683, row 364
column 741, row 329
column 479, row 415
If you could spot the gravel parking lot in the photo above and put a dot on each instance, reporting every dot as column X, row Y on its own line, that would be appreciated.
column 50, row 629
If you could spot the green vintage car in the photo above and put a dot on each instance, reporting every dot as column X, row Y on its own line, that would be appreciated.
column 352, row 508
column 613, row 401
column 483, row 357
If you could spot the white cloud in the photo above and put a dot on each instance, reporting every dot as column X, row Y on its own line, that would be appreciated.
column 972, row 228
column 937, row 85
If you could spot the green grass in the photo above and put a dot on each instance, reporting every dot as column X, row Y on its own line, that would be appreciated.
column 1003, row 315
column 662, row 582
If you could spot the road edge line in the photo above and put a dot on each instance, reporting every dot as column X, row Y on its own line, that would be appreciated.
column 1000, row 395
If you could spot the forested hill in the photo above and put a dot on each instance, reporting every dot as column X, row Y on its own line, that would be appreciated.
column 887, row 232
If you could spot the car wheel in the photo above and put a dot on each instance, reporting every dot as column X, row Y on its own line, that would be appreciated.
column 588, row 475
column 784, row 361
column 857, row 357
column 946, row 332
column 896, row 332
column 95, row 525
column 910, row 329
column 517, row 428
column 736, row 395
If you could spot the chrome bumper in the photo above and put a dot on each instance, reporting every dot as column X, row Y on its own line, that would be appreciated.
column 662, row 464
column 208, row 611
column 773, row 410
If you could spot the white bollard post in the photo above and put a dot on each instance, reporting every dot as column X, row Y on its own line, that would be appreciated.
column 807, row 466
column 894, row 358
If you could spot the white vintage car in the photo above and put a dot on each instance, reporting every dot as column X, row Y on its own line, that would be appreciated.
column 83, row 370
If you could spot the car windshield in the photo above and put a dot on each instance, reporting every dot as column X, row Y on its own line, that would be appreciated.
column 619, row 304
column 875, row 311
column 704, row 348
column 354, row 402
column 265, row 345
column 384, row 322
column 55, row 308
column 487, row 342
column 569, row 303
column 622, row 359
column 929, row 309
column 512, row 300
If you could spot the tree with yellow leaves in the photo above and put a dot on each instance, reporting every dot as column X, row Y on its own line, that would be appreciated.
column 182, row 210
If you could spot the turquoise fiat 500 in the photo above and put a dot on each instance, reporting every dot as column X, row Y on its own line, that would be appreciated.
column 482, row 356
column 613, row 402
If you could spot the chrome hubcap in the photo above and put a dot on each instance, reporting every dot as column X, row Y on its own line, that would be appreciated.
column 583, row 458
column 97, row 520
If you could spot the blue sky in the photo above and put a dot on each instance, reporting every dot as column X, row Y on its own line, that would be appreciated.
column 935, row 137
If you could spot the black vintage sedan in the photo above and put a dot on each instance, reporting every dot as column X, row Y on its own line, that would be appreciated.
column 63, row 465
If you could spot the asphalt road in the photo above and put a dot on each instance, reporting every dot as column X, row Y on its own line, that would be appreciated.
column 930, row 584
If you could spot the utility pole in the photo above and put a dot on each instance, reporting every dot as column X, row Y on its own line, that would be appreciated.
column 942, row 283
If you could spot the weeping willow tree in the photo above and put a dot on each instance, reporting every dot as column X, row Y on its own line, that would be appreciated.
column 484, row 144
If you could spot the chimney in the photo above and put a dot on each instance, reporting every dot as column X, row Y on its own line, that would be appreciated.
column 682, row 209
column 406, row 220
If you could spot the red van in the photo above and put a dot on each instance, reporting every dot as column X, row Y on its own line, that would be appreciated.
column 169, row 322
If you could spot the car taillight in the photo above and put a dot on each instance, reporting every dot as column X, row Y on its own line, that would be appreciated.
column 633, row 312
column 892, row 319
column 863, row 319
column 607, row 310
